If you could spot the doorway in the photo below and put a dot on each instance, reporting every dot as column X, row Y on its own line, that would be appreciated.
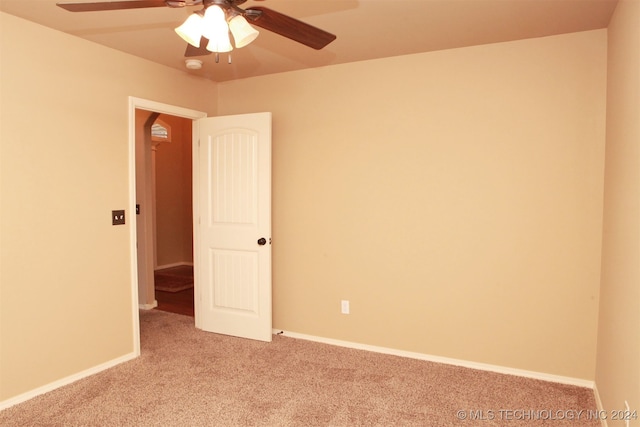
column 170, row 140
column 144, row 257
column 164, row 209
column 235, row 233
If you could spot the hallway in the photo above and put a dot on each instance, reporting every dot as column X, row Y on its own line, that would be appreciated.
column 173, row 297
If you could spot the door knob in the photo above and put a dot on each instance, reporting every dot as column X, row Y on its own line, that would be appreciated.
column 262, row 241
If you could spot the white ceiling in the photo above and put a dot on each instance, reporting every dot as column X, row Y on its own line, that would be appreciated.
column 365, row 29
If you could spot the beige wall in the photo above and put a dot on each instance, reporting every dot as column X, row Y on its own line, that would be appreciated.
column 65, row 283
column 618, row 357
column 454, row 197
column 174, row 217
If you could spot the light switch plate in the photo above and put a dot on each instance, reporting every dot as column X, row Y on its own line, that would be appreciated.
column 117, row 217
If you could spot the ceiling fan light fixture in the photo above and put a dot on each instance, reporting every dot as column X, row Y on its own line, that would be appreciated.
column 215, row 28
column 219, row 44
column 191, row 30
column 243, row 33
column 214, row 21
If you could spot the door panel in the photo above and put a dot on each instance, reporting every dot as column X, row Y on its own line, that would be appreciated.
column 233, row 271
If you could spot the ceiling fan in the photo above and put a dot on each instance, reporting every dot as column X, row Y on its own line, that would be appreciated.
column 207, row 30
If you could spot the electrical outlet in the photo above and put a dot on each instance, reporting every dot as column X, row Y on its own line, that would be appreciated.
column 344, row 306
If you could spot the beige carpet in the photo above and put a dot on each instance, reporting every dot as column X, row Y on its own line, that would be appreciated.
column 187, row 377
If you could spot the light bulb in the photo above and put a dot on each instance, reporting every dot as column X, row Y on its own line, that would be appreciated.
column 191, row 30
column 215, row 29
column 243, row 33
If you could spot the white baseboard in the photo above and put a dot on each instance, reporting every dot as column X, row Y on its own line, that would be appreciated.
column 151, row 306
column 446, row 360
column 64, row 381
column 601, row 410
column 175, row 264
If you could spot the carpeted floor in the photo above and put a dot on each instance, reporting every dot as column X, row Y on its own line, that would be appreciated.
column 186, row 377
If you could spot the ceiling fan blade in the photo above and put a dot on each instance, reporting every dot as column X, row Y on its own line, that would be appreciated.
column 114, row 5
column 289, row 27
column 197, row 51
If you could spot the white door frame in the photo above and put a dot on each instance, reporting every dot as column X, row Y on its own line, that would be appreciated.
column 157, row 107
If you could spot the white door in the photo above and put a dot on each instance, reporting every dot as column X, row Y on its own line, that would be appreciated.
column 232, row 221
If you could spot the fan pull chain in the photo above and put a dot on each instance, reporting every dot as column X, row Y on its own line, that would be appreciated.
column 218, row 58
